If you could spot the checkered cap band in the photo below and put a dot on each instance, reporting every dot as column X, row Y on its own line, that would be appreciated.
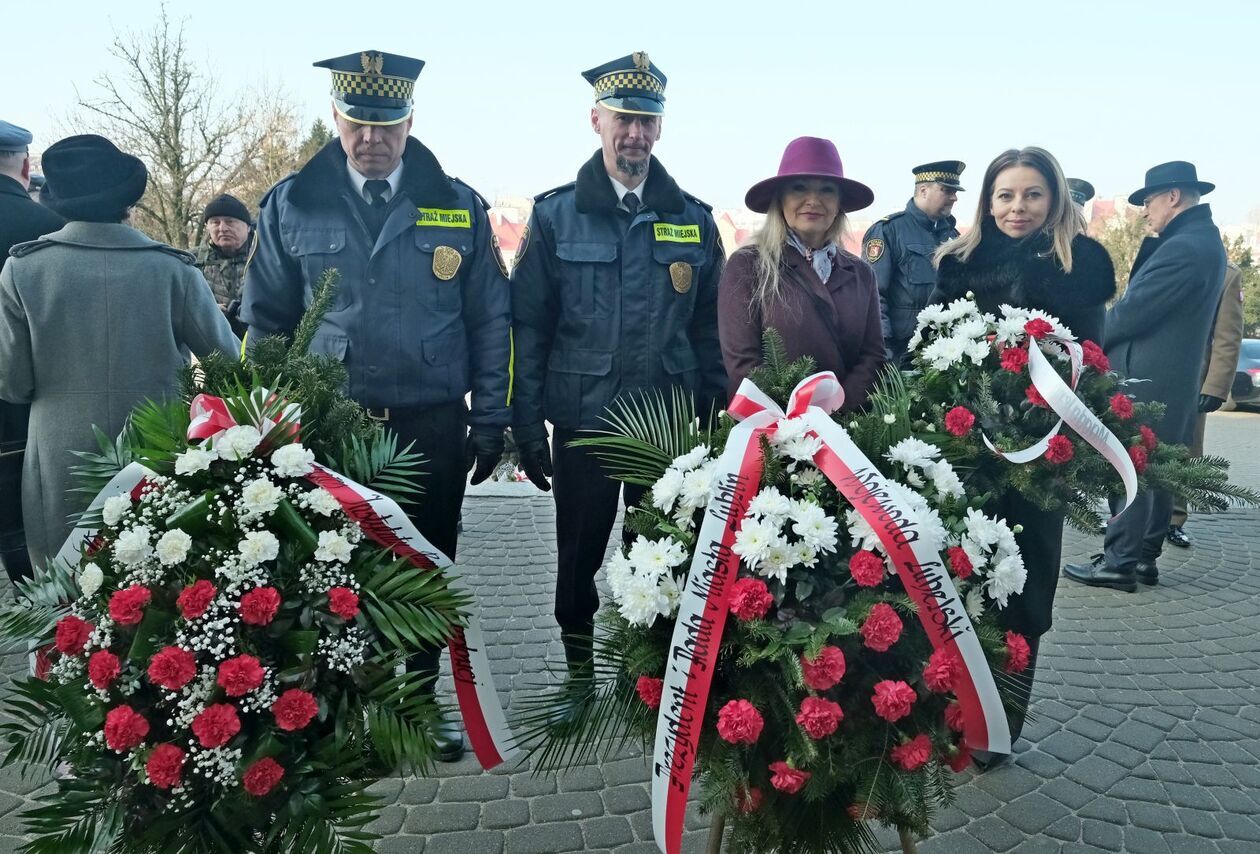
column 628, row 80
column 372, row 85
column 922, row 177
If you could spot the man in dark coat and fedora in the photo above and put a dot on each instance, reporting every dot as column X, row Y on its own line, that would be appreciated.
column 1158, row 332
column 21, row 219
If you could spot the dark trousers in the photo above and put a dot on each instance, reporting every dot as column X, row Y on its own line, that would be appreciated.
column 438, row 434
column 13, row 554
column 1138, row 534
column 586, row 508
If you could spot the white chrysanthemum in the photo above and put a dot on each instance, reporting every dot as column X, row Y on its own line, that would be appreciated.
column 194, row 460
column 133, row 545
column 789, row 429
column 974, row 603
column 945, row 352
column 945, row 479
column 670, row 595
column 333, row 547
column 260, row 497
column 926, row 521
column 698, row 485
column 656, row 557
column 293, row 460
column 1010, row 329
column 173, row 547
column 861, row 534
column 802, row 448
column 322, row 501
column 237, row 442
column 619, row 570
column 667, row 489
column 258, row 547
column 807, row 476
column 90, row 579
column 691, row 459
column 978, row 351
column 1006, row 578
column 115, row 507
column 981, row 529
column 816, row 528
column 973, row 327
column 780, row 557
column 958, row 309
column 933, row 315
column 639, row 600
column 754, row 540
column 804, row 554
column 912, row 452
column 771, row 505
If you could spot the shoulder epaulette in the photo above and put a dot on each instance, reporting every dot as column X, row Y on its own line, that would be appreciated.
column 276, row 186
column 555, row 190
column 470, row 189
column 187, row 257
column 701, row 202
column 892, row 216
column 21, row 250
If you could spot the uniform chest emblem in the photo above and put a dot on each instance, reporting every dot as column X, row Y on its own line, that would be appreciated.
column 680, row 276
column 874, row 250
column 446, row 262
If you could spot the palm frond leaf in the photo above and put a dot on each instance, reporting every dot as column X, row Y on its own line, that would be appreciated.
column 646, row 433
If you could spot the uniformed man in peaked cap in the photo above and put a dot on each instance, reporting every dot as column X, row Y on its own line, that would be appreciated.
column 614, row 292
column 1080, row 190
column 421, row 314
column 900, row 248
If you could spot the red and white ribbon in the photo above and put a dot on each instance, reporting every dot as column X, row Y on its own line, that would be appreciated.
column 210, row 417
column 704, row 603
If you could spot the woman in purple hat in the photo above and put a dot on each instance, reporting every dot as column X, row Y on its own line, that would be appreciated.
column 796, row 278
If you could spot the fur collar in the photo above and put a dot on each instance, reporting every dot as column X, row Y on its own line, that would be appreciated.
column 595, row 193
column 321, row 179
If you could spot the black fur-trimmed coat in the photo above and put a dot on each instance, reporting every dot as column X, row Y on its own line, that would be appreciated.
column 1026, row 273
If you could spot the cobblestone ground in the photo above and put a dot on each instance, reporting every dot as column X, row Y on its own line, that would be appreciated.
column 1145, row 737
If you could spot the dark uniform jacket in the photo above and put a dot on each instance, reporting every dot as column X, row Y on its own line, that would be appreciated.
column 411, row 327
column 900, row 248
column 604, row 305
column 21, row 219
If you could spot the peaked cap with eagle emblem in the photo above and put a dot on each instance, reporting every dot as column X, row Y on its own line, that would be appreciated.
column 371, row 87
column 631, row 84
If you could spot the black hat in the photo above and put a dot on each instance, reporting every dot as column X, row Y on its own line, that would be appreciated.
column 943, row 172
column 1165, row 176
column 1080, row 190
column 373, row 88
column 631, row 84
column 88, row 178
column 227, row 205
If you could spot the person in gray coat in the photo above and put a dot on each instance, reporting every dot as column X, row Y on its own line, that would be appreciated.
column 1158, row 332
column 94, row 319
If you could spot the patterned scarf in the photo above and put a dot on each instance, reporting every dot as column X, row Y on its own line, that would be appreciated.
column 820, row 259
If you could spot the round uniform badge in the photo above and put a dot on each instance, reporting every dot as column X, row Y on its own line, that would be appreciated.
column 446, row 262
column 680, row 275
column 874, row 250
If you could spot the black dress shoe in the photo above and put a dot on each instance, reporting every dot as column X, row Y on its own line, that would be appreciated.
column 1097, row 574
column 1147, row 572
column 448, row 737
column 1178, row 537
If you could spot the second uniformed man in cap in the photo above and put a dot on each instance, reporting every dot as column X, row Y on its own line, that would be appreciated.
column 614, row 291
column 900, row 248
column 1080, row 190
column 421, row 314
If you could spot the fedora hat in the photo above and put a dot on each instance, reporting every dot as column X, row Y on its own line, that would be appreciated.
column 88, row 178
column 810, row 157
column 1165, row 176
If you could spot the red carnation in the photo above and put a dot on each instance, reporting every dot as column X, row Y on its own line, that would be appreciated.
column 72, row 634
column 1014, row 359
column 238, row 676
column 1060, row 450
column 1035, row 398
column 750, row 599
column 739, row 722
column 1038, row 328
column 913, row 754
column 959, row 420
column 343, row 602
column 165, row 765
column 954, row 717
column 217, row 725
column 259, row 606
column 882, row 628
column 787, row 779
column 1121, row 406
column 960, row 562
column 261, row 777
column 748, row 800
column 650, row 689
column 1149, row 440
column 294, row 709
column 195, row 599
column 1094, row 357
column 942, row 670
column 824, row 670
column 124, row 728
column 893, row 699
column 961, row 758
column 126, row 607
column 1138, row 455
column 172, row 668
column 103, row 668
column 1017, row 653
column 818, row 717
column 867, row 568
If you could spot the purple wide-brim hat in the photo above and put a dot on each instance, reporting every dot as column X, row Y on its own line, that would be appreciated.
column 810, row 157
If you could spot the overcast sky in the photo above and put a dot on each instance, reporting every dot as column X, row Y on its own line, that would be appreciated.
column 1110, row 88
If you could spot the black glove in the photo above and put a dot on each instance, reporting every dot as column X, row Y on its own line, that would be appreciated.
column 483, row 450
column 1210, row 403
column 536, row 462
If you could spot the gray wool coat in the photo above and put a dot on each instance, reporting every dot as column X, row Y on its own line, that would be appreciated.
column 94, row 319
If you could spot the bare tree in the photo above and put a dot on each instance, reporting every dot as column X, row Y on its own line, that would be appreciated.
column 1122, row 238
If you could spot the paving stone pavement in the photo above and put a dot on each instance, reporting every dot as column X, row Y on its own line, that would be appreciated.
column 1144, row 736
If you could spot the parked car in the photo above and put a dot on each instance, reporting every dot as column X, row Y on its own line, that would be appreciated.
column 1246, row 388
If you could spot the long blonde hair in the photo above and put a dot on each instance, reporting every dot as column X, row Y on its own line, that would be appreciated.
column 769, row 242
column 1064, row 222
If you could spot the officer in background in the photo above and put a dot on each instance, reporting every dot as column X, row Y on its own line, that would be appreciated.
column 222, row 258
column 614, row 291
column 1080, row 190
column 900, row 248
column 21, row 219
column 421, row 314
